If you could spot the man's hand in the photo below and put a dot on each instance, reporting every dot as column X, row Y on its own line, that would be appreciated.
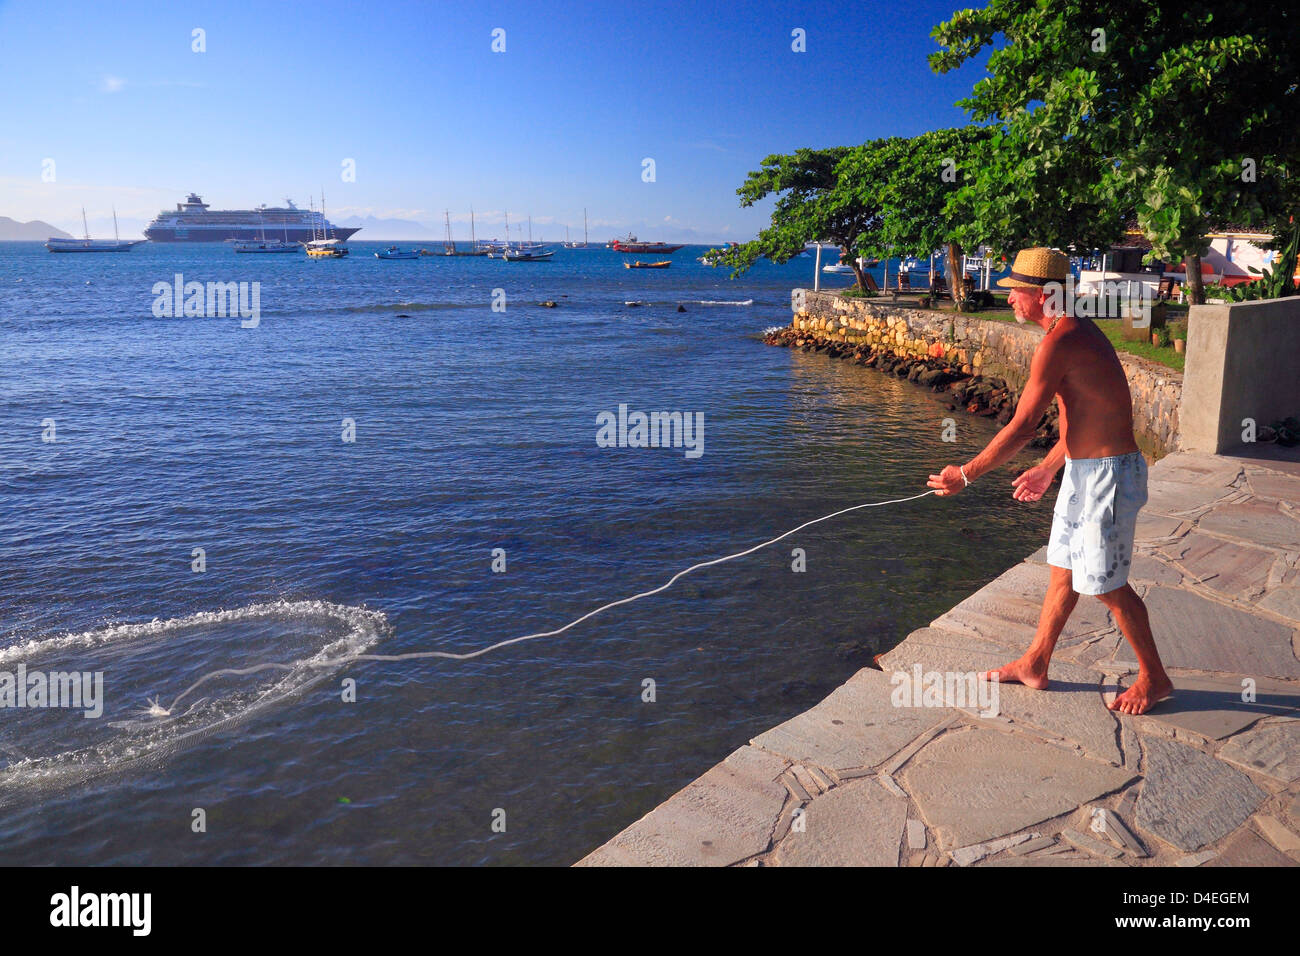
column 1030, row 485
column 948, row 481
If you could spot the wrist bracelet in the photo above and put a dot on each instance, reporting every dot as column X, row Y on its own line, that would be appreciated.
column 962, row 469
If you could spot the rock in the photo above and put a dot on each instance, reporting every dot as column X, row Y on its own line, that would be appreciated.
column 548, row 304
column 1189, row 799
column 681, row 308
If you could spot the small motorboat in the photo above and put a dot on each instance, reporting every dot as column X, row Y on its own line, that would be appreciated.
column 663, row 264
column 392, row 252
column 837, row 268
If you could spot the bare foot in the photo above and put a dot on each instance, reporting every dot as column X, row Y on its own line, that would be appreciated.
column 1143, row 695
column 1024, row 671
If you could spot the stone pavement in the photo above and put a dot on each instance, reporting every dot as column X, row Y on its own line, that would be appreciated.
column 1210, row 777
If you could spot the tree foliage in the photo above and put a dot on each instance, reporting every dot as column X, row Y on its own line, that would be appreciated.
column 814, row 203
column 1134, row 105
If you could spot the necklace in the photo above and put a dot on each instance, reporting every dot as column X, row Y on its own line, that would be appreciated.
column 1053, row 325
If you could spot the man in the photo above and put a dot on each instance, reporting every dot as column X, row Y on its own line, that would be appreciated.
column 1105, row 481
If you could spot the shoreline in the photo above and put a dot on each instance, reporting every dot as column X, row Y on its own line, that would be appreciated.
column 1054, row 778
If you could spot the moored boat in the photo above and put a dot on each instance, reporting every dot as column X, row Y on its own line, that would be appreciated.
column 648, row 265
column 632, row 244
column 392, row 252
column 87, row 244
column 526, row 254
column 267, row 246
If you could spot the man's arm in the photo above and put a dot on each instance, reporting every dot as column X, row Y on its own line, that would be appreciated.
column 1056, row 457
column 1045, row 374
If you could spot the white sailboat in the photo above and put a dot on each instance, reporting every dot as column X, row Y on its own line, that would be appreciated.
column 578, row 245
column 116, row 244
column 264, row 245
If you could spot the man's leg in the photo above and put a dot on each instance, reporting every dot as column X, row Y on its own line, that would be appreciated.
column 1152, row 684
column 1031, row 669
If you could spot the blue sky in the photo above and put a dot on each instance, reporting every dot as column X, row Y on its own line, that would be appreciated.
column 562, row 120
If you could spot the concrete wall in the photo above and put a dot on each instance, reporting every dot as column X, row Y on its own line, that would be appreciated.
column 985, row 347
column 1241, row 363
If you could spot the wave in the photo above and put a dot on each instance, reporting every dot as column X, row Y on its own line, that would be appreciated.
column 58, row 747
column 718, row 302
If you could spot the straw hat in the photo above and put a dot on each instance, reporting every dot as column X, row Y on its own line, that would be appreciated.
column 1036, row 267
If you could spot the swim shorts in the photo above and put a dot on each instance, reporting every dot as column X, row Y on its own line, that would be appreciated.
column 1095, row 518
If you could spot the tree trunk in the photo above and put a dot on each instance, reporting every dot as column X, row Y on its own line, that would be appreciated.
column 956, row 276
column 1195, row 286
column 858, row 274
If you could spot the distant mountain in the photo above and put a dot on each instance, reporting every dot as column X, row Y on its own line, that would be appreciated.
column 376, row 228
column 13, row 230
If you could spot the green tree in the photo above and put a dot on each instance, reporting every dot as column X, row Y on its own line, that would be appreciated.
column 813, row 204
column 1132, row 104
column 911, row 182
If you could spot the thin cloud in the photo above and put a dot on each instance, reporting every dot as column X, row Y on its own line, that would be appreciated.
column 109, row 83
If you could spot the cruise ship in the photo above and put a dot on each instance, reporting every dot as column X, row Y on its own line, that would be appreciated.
column 194, row 221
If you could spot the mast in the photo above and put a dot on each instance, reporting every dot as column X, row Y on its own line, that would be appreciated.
column 584, row 226
column 507, row 230
column 472, row 238
column 116, row 237
column 85, row 227
column 530, row 230
column 451, row 245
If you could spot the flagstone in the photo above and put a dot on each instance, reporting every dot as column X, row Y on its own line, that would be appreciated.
column 1262, row 522
column 1175, row 498
column 1277, row 833
column 856, row 726
column 1071, row 707
column 1197, row 468
column 857, row 824
column 1230, row 568
column 1151, row 526
column 1149, row 570
column 1283, row 600
column 1200, row 634
column 1275, row 486
column 1272, row 749
column 1248, row 848
column 1189, row 799
column 1212, row 706
column 722, row 818
column 975, row 786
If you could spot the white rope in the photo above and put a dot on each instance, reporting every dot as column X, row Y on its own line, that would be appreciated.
column 156, row 710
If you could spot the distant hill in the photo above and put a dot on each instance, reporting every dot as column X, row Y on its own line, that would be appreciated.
column 12, row 230
column 376, row 228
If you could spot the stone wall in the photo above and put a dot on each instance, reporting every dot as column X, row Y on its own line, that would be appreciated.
column 983, row 347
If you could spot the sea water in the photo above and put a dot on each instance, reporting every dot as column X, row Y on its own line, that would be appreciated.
column 386, row 463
